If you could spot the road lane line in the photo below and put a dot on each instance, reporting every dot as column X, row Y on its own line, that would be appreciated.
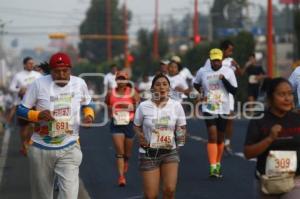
column 4, row 150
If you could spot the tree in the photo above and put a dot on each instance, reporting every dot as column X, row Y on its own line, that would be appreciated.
column 232, row 9
column 95, row 23
column 297, row 32
column 144, row 62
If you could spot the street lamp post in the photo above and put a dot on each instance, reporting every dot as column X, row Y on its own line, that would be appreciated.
column 270, row 39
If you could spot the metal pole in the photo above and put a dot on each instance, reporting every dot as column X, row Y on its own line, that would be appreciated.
column 126, row 54
column 196, row 22
column 155, row 33
column 108, row 30
column 270, row 39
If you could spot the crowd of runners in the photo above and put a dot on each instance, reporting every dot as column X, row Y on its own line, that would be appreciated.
column 51, row 104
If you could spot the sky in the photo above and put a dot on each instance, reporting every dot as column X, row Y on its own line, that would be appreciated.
column 29, row 21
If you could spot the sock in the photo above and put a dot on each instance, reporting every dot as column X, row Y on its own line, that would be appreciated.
column 227, row 142
column 220, row 148
column 212, row 152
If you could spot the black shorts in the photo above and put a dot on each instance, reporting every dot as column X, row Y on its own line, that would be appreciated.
column 126, row 130
column 220, row 121
column 253, row 91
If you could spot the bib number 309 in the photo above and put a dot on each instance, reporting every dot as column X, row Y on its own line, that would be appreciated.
column 281, row 162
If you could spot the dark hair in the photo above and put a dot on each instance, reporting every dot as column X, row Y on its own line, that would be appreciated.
column 160, row 75
column 273, row 84
column 45, row 67
column 225, row 44
column 26, row 59
column 178, row 65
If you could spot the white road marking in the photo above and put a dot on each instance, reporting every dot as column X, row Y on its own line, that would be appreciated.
column 4, row 150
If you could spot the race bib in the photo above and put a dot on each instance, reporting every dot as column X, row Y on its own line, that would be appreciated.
column 214, row 100
column 121, row 118
column 279, row 162
column 59, row 127
column 252, row 79
column 162, row 139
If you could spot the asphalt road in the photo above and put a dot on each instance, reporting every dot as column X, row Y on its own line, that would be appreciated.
column 99, row 175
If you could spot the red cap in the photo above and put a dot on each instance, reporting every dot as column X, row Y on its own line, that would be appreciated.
column 60, row 60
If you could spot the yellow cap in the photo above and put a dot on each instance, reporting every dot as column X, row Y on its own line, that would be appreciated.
column 215, row 54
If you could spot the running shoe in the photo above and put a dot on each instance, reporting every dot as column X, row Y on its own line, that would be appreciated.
column 213, row 173
column 219, row 171
column 122, row 181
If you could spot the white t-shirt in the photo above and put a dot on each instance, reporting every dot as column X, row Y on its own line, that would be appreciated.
column 295, row 80
column 167, row 118
column 177, row 81
column 22, row 80
column 218, row 101
column 110, row 81
column 145, row 88
column 227, row 62
column 63, row 102
column 186, row 74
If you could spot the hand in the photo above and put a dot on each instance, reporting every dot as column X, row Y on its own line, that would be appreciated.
column 179, row 89
column 142, row 140
column 221, row 77
column 46, row 116
column 275, row 131
column 22, row 92
column 234, row 63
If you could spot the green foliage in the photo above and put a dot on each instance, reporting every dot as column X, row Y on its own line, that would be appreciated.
column 144, row 62
column 95, row 23
column 297, row 30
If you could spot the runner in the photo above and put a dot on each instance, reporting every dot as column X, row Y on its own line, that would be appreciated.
column 144, row 88
column 163, row 67
column 110, row 78
column 227, row 47
column 217, row 82
column 294, row 80
column 184, row 72
column 18, row 86
column 256, row 76
column 179, row 87
column 55, row 150
column 274, row 141
column 157, row 122
column 121, row 102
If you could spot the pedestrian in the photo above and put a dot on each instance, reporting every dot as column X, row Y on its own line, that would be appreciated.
column 179, row 87
column 274, row 139
column 122, row 102
column 160, row 125
column 59, row 99
column 110, row 78
column 18, row 86
column 217, row 82
column 256, row 76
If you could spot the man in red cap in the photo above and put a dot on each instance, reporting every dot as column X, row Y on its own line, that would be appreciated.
column 59, row 99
